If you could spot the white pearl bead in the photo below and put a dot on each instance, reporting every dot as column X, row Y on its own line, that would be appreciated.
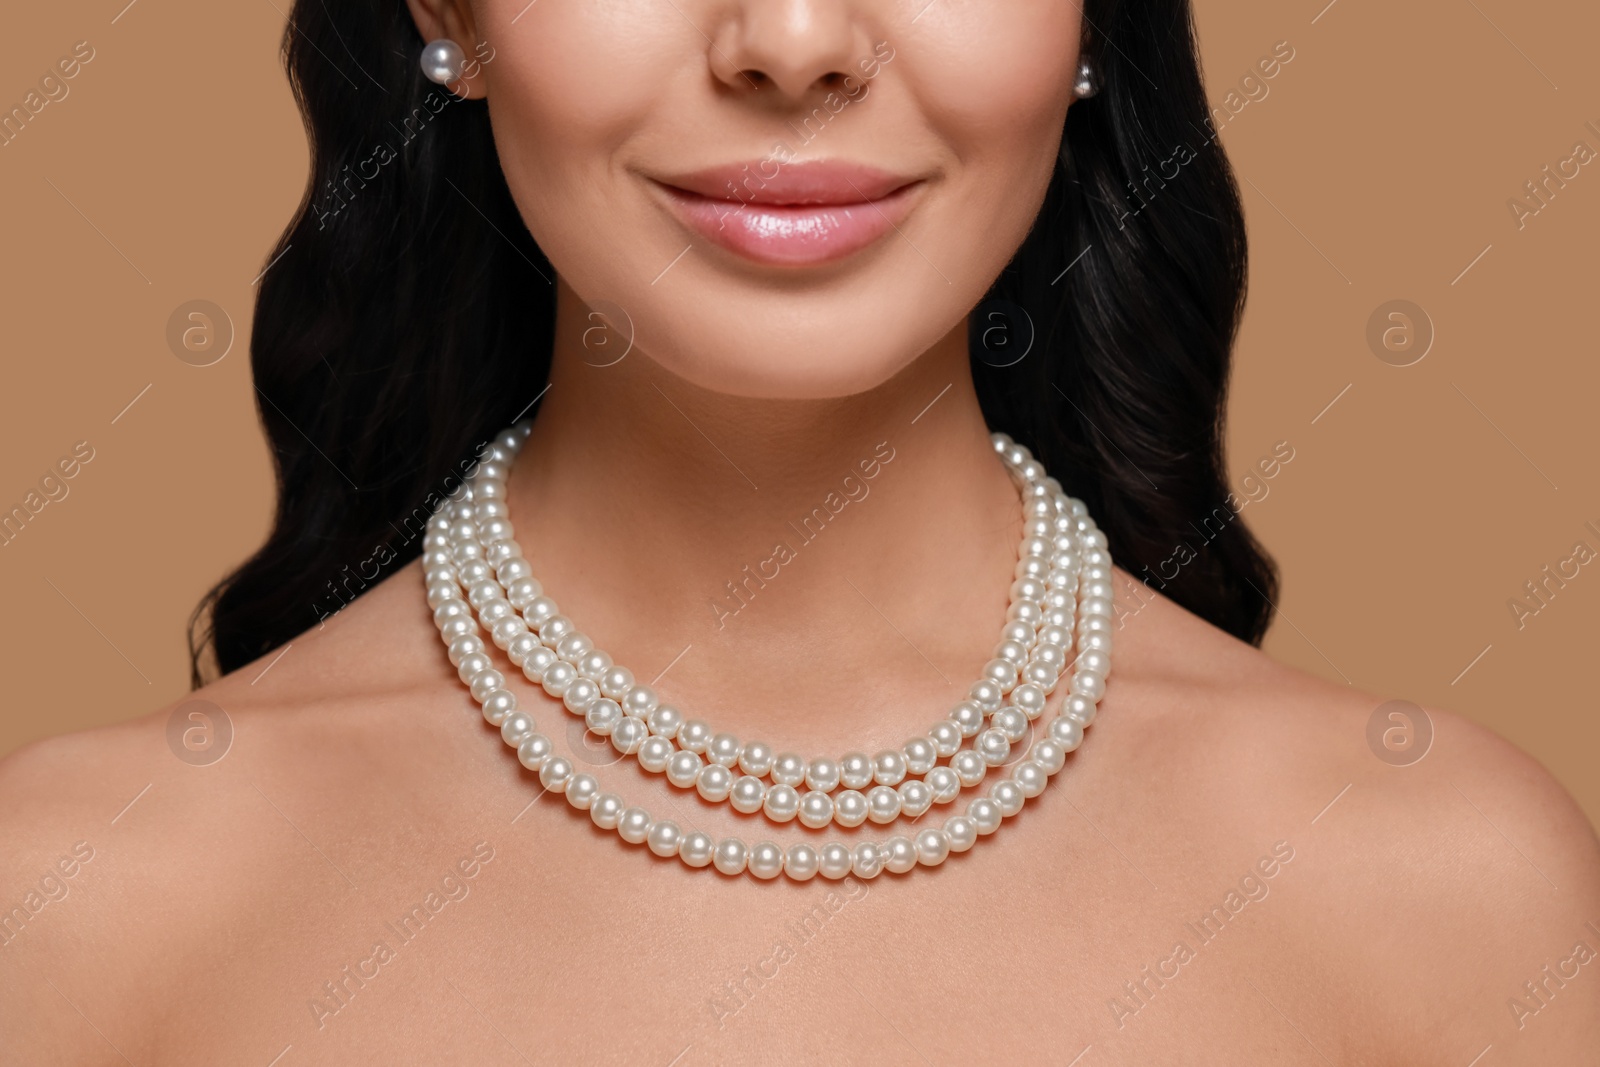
column 1011, row 722
column 969, row 767
column 933, row 846
column 594, row 666
column 519, row 647
column 640, row 701
column 816, row 809
column 1006, row 794
column 628, row 735
column 747, row 795
column 1048, row 755
column 574, row 646
column 616, row 682
column 789, row 769
column 665, row 721
column 553, row 629
column 1089, row 684
column 968, row 716
column 655, row 753
column 723, row 749
column 693, row 736
column 946, row 737
column 696, row 848
column 782, row 803
column 986, row 694
column 1079, row 709
column 582, row 790
column 1030, row 778
column 993, row 746
column 606, row 811
column 516, row 728
column 1066, row 732
column 985, row 815
column 915, row 797
column 683, row 768
column 756, row 758
column 850, row 808
column 766, row 860
column 634, row 825
column 603, row 716
column 462, row 647
column 962, row 832
column 555, row 774
column 1093, row 659
column 834, row 860
column 944, row 783
column 902, row 855
column 557, row 677
column 533, row 752
column 486, row 682
column 888, row 767
column 855, row 771
column 1029, row 699
column 499, row 705
column 664, row 838
column 823, row 775
column 714, row 782
column 731, row 856
column 801, row 862
column 535, row 663
column 580, row 693
column 883, row 804
column 867, row 860
column 920, row 755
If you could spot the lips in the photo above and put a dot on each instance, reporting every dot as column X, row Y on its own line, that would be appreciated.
column 793, row 214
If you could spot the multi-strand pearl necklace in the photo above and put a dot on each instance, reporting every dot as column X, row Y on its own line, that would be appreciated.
column 1061, row 598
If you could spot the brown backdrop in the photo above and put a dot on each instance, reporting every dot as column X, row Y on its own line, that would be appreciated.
column 1377, row 165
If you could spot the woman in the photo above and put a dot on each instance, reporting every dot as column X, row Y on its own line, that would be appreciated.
column 755, row 281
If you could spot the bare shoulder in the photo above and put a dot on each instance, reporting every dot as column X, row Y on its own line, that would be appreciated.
column 1443, row 885
column 132, row 850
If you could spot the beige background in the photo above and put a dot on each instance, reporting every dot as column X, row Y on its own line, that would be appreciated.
column 1378, row 167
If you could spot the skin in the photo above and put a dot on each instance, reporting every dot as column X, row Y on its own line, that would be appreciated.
column 1406, row 905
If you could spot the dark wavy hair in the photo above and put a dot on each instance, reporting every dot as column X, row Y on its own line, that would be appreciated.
column 408, row 315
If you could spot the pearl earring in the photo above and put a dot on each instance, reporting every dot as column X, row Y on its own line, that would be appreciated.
column 1088, row 82
column 442, row 61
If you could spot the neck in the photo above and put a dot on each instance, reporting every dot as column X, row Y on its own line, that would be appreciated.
column 801, row 566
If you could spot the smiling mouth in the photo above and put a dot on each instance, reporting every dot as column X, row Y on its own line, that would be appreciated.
column 802, row 214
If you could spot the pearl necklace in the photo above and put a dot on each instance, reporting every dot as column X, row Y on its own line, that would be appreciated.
column 469, row 548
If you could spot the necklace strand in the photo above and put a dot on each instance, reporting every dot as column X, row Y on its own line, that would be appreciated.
column 469, row 550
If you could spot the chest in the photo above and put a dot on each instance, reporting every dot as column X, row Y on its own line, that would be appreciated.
column 542, row 942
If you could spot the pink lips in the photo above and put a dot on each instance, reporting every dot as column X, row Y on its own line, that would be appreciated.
column 793, row 214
